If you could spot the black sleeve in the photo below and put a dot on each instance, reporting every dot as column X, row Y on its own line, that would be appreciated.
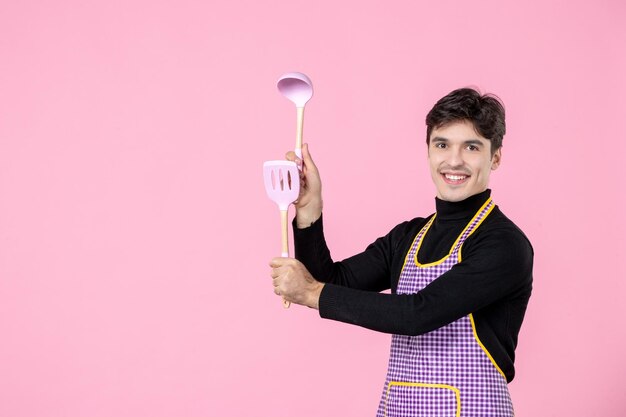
column 494, row 266
column 370, row 270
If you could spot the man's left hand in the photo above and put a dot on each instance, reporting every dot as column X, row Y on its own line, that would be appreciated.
column 294, row 282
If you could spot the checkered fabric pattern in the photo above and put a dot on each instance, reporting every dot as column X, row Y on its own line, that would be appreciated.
column 429, row 374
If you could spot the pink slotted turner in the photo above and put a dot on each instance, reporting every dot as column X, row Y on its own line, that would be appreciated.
column 282, row 184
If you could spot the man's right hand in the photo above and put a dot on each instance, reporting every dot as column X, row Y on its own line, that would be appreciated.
column 309, row 204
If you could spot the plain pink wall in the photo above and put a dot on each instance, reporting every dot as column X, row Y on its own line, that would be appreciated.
column 135, row 231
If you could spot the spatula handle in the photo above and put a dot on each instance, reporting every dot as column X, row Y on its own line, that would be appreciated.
column 284, row 222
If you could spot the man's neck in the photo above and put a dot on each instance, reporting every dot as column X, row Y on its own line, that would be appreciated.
column 448, row 210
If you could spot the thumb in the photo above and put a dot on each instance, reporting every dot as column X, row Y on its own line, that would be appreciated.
column 306, row 156
column 278, row 262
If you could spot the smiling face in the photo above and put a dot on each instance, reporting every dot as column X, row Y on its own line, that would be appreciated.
column 460, row 161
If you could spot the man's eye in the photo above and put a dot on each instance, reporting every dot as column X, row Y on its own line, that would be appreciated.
column 473, row 148
column 440, row 145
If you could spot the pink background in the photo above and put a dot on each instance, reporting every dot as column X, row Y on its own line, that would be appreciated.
column 135, row 232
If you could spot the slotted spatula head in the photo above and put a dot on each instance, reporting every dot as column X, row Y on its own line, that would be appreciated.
column 282, row 182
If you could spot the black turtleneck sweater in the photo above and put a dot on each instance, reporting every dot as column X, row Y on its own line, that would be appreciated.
column 493, row 281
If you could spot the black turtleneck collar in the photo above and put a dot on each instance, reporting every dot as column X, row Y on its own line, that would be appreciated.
column 465, row 209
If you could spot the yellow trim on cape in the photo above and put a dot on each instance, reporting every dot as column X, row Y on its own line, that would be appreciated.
column 471, row 317
column 474, row 229
column 456, row 391
column 427, row 226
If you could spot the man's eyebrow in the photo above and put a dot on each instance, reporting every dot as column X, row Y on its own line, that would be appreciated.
column 474, row 142
column 440, row 139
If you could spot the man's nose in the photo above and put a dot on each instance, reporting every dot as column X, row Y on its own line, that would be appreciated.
column 455, row 157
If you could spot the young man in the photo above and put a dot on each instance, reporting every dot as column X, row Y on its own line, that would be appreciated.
column 460, row 278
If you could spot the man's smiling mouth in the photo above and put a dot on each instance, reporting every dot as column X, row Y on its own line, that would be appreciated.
column 454, row 178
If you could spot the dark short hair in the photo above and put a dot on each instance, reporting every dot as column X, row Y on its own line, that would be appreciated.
column 485, row 112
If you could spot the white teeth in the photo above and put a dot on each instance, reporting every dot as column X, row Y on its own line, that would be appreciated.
column 455, row 177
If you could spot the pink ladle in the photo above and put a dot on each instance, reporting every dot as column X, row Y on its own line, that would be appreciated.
column 298, row 88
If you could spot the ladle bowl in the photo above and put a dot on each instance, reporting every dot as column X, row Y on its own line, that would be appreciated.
column 297, row 87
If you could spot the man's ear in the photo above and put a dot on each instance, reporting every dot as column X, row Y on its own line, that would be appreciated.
column 496, row 159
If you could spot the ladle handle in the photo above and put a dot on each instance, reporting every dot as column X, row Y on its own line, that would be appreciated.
column 284, row 222
column 299, row 128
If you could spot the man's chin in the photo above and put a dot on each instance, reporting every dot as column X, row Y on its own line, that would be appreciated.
column 453, row 196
